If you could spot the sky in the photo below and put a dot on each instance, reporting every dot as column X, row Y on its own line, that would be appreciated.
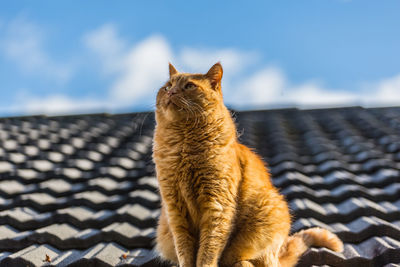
column 69, row 57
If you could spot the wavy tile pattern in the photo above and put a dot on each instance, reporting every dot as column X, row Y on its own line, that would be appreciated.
column 80, row 190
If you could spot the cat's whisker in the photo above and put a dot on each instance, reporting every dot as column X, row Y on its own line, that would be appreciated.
column 197, row 121
column 185, row 106
column 191, row 112
column 200, row 111
column 141, row 125
column 191, row 109
column 194, row 110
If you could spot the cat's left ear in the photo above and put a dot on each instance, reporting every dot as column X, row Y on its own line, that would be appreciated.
column 172, row 70
column 214, row 75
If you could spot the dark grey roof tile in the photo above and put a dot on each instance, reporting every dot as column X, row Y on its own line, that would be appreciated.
column 338, row 168
column 124, row 162
column 4, row 255
column 80, row 213
column 29, row 174
column 67, row 149
column 281, row 157
column 43, row 144
column 345, row 211
column 139, row 212
column 11, row 187
column 145, row 197
column 389, row 193
column 367, row 155
column 77, row 142
column 116, row 172
column 31, row 151
column 6, row 167
column 376, row 164
column 96, row 197
column 325, row 156
column 106, row 183
column 356, row 231
column 71, row 173
column 60, row 186
column 103, row 148
column 62, row 231
column 55, row 156
column 106, row 253
column 141, row 257
column 83, row 164
column 330, row 165
column 17, row 158
column 40, row 198
column 285, row 166
column 149, row 181
column 20, row 216
column 376, row 251
column 381, row 177
column 5, row 203
column 42, row 165
column 10, row 145
column 129, row 235
column 34, row 255
column 66, row 258
column 94, row 155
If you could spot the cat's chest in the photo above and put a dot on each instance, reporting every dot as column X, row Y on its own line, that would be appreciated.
column 181, row 164
column 181, row 153
column 187, row 163
column 184, row 170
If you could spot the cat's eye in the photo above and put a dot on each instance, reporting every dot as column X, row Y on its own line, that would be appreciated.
column 167, row 87
column 190, row 85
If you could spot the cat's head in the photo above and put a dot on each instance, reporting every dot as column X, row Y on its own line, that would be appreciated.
column 186, row 96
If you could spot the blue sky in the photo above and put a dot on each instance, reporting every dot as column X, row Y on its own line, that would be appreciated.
column 95, row 56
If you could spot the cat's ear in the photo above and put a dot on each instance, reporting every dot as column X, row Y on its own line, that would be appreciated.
column 172, row 70
column 214, row 75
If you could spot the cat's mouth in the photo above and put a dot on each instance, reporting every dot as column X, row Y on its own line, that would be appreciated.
column 171, row 102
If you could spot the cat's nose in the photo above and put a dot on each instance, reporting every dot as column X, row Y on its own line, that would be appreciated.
column 172, row 91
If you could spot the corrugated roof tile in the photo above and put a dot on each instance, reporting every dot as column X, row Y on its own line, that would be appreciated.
column 80, row 190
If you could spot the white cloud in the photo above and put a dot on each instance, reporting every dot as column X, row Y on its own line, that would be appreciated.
column 313, row 95
column 58, row 104
column 143, row 67
column 145, row 70
column 200, row 60
column 137, row 70
column 263, row 87
column 106, row 44
column 22, row 43
column 269, row 87
column 234, row 61
column 385, row 92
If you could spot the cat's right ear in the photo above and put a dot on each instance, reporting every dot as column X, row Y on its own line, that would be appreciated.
column 214, row 75
column 172, row 70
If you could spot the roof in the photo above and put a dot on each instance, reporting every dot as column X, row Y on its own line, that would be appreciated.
column 80, row 190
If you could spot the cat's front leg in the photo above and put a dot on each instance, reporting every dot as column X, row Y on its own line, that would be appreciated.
column 215, row 228
column 184, row 240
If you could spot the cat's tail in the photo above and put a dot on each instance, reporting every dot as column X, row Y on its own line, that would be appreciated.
column 299, row 242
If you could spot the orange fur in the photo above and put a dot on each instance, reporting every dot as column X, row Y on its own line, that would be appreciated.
column 219, row 206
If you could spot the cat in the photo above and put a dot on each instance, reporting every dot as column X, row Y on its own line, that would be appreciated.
column 218, row 205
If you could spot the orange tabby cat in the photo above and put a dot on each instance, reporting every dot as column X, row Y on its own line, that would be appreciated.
column 219, row 207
